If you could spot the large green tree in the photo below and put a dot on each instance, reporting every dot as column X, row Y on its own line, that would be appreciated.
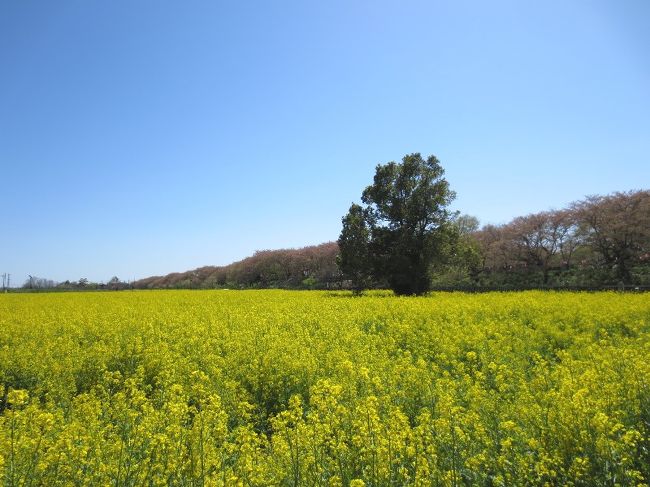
column 404, row 228
column 353, row 259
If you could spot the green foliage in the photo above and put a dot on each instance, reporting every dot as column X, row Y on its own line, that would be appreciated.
column 309, row 282
column 353, row 259
column 403, row 230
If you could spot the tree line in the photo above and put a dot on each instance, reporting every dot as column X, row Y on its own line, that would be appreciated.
column 596, row 241
column 404, row 237
column 312, row 267
column 599, row 241
column 33, row 283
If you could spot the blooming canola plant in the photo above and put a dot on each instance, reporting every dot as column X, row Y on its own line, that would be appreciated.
column 322, row 388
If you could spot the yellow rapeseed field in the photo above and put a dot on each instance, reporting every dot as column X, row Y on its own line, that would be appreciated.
column 264, row 388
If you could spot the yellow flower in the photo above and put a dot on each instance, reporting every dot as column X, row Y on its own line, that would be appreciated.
column 17, row 397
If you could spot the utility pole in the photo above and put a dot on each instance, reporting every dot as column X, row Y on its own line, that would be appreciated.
column 4, row 282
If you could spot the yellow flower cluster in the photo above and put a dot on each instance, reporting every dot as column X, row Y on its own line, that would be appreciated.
column 278, row 388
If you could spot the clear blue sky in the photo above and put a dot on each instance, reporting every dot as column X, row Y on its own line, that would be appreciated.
column 145, row 137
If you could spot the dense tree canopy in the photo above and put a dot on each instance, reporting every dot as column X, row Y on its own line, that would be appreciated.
column 600, row 241
column 617, row 227
column 354, row 262
column 403, row 229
